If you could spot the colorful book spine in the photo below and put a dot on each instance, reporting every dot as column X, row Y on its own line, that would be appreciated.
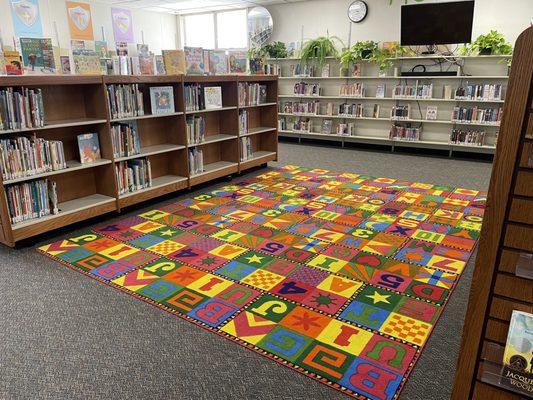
column 21, row 108
column 196, row 161
column 195, row 130
column 31, row 200
column 125, row 139
column 243, row 121
column 194, row 98
column 403, row 133
column 251, row 94
column 489, row 116
column 352, row 90
column 125, row 101
column 307, row 89
column 133, row 175
column 467, row 137
column 246, row 148
column 27, row 156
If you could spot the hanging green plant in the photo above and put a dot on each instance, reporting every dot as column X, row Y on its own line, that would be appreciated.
column 318, row 49
column 359, row 51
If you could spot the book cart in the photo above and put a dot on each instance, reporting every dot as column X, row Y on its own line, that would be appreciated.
column 504, row 266
column 75, row 105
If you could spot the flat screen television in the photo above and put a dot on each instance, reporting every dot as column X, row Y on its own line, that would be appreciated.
column 437, row 23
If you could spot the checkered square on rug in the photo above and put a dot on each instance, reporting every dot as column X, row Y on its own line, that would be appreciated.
column 339, row 276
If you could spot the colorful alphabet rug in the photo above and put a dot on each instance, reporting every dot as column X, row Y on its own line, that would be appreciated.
column 339, row 276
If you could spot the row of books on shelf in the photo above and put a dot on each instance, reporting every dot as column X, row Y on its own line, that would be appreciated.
column 37, row 56
column 196, row 161
column 307, row 89
column 28, row 155
column 404, row 133
column 30, row 200
column 133, row 175
column 195, row 129
column 272, row 69
column 199, row 97
column 490, row 116
column 21, row 108
column 482, row 92
column 246, row 150
column 396, row 132
column 352, row 90
column 479, row 92
column 416, row 91
column 243, row 121
column 252, row 94
column 125, row 100
column 302, row 107
column 125, row 139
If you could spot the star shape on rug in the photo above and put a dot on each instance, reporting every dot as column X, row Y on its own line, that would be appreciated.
column 305, row 320
column 208, row 261
column 254, row 259
column 168, row 232
column 378, row 298
column 323, row 300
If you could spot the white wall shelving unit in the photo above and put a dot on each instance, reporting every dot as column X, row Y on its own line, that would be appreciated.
column 435, row 134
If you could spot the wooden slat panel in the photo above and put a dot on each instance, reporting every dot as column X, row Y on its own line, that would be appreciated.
column 497, row 331
column 508, row 261
column 503, row 308
column 524, row 184
column 519, row 237
column 514, row 287
column 482, row 391
column 521, row 211
column 527, row 155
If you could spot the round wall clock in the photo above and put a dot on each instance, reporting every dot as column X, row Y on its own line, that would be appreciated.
column 357, row 11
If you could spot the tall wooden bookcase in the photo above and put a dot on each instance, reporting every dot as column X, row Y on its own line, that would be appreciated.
column 79, row 104
column 500, row 283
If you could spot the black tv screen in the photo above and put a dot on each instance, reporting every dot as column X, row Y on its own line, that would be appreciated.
column 437, row 23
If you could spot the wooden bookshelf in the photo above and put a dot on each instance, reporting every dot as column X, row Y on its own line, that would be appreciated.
column 79, row 104
column 434, row 133
column 502, row 280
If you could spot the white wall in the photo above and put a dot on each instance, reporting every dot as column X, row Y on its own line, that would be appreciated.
column 382, row 23
column 159, row 29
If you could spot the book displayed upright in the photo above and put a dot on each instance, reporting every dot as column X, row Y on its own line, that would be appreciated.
column 194, row 60
column 162, row 99
column 89, row 147
column 218, row 62
column 213, row 97
column 174, row 61
column 37, row 56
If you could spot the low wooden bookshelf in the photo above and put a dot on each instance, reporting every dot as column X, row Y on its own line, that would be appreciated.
column 79, row 104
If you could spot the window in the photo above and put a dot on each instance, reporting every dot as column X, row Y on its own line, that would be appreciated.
column 216, row 30
column 199, row 30
column 232, row 30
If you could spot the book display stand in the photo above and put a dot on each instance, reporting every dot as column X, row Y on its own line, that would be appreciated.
column 75, row 105
column 503, row 275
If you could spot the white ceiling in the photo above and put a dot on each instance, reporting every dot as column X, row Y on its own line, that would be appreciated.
column 191, row 6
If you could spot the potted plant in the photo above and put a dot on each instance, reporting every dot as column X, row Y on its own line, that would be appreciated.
column 359, row 51
column 491, row 43
column 256, row 58
column 383, row 58
column 318, row 49
column 276, row 50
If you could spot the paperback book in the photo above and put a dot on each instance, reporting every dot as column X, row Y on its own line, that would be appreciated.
column 13, row 62
column 86, row 62
column 517, row 371
column 218, row 62
column 21, row 108
column 133, row 175
column 237, row 62
column 125, row 138
column 89, row 148
column 431, row 113
column 31, row 200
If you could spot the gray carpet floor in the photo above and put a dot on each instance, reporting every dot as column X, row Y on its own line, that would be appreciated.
column 65, row 336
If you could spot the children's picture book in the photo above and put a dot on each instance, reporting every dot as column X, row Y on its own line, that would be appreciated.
column 174, row 61
column 146, row 64
column 517, row 371
column 431, row 113
column 160, row 65
column 86, row 62
column 194, row 60
column 89, row 147
column 121, row 48
column 356, row 71
column 100, row 46
column 237, row 62
column 37, row 56
column 3, row 70
column 206, row 55
column 213, row 97
column 65, row 65
column 77, row 44
column 13, row 63
column 218, row 62
column 162, row 99
column 380, row 91
column 326, row 126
